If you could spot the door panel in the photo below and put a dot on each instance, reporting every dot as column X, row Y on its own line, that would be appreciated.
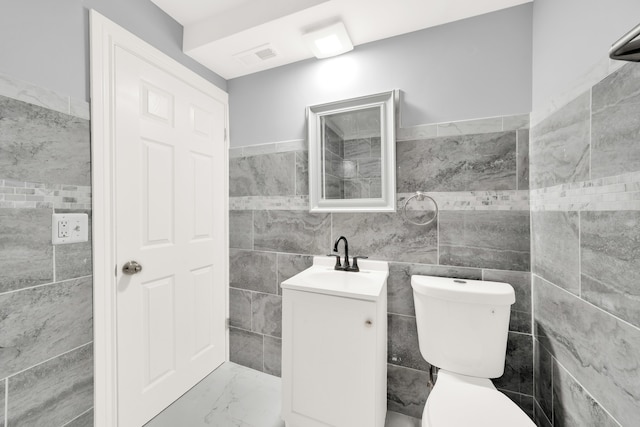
column 170, row 154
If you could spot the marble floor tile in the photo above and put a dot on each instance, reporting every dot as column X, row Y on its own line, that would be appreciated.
column 41, row 145
column 253, row 270
column 387, row 236
column 298, row 232
column 26, row 253
column 241, row 229
column 53, row 393
column 39, row 323
column 573, row 406
column 263, row 175
column 560, row 145
column 610, row 262
column 556, row 252
column 246, row 348
column 236, row 396
column 240, row 308
column 599, row 350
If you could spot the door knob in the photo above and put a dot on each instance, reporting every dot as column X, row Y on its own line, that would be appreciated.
column 131, row 267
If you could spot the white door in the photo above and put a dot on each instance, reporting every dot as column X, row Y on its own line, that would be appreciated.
column 169, row 154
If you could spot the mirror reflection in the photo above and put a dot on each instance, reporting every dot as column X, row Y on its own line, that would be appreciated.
column 351, row 154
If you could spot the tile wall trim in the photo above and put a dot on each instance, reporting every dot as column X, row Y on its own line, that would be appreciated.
column 32, row 94
column 503, row 200
column 29, row 195
column 621, row 192
column 600, row 70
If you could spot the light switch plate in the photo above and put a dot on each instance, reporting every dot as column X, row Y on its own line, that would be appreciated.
column 69, row 228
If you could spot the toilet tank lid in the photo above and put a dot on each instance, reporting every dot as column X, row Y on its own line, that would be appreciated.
column 463, row 290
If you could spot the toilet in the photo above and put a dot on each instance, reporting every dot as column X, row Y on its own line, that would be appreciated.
column 462, row 329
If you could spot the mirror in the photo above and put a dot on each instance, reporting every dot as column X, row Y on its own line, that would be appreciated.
column 352, row 154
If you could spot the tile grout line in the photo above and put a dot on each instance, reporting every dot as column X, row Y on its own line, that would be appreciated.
column 49, row 360
column 44, row 284
column 72, row 420
column 580, row 254
column 590, row 131
column 6, row 402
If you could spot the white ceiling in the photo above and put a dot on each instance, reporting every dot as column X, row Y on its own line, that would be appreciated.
column 215, row 31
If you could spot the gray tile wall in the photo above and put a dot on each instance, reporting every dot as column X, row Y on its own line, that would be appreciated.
column 271, row 242
column 46, row 312
column 585, row 257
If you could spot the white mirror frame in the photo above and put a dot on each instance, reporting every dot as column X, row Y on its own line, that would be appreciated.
column 387, row 101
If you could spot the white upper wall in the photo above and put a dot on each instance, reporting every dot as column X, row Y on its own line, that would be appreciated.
column 571, row 40
column 46, row 42
column 474, row 68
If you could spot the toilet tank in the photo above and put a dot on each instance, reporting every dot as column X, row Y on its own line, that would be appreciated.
column 463, row 324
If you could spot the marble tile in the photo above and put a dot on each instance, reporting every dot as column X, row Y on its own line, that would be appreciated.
column 266, row 314
column 395, row 419
column 333, row 187
column 539, row 417
column 74, row 259
column 524, row 401
column 293, row 145
column 259, row 149
column 376, row 146
column 26, row 253
column 610, row 262
column 521, row 310
column 3, row 385
column 289, row 265
column 252, row 270
column 41, row 145
column 615, row 125
column 235, row 152
column 357, row 149
column 402, row 343
column 573, row 406
column 246, row 348
column 517, row 122
column 598, row 349
column 333, row 142
column 84, row 420
column 399, row 291
column 560, row 145
column 543, row 375
column 241, row 229
column 272, row 356
column 42, row 322
column 369, row 168
column 485, row 239
column 387, row 236
column 240, row 308
column 407, row 390
column 491, row 124
column 518, row 371
column 32, row 94
column 80, row 108
column 460, row 163
column 556, row 252
column 523, row 159
column 264, row 175
column 298, row 232
column 231, row 396
column 302, row 173
column 53, row 392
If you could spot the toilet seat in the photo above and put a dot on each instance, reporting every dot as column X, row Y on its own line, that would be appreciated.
column 462, row 401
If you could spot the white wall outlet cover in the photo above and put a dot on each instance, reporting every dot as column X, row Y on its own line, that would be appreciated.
column 69, row 228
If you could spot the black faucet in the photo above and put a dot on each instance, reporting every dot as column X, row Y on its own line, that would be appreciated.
column 346, row 266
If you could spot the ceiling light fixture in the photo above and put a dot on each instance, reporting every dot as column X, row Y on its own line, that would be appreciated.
column 329, row 41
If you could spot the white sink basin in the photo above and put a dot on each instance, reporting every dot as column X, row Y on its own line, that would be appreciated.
column 367, row 284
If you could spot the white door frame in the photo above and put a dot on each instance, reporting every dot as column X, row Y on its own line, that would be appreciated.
column 105, row 36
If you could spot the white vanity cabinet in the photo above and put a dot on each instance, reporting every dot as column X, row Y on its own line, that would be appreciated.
column 334, row 347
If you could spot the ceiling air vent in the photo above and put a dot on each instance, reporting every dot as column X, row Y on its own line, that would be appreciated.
column 256, row 55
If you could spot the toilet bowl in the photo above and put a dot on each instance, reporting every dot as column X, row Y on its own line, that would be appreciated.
column 462, row 329
column 461, row 401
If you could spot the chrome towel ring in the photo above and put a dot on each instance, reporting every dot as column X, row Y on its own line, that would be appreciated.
column 420, row 195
